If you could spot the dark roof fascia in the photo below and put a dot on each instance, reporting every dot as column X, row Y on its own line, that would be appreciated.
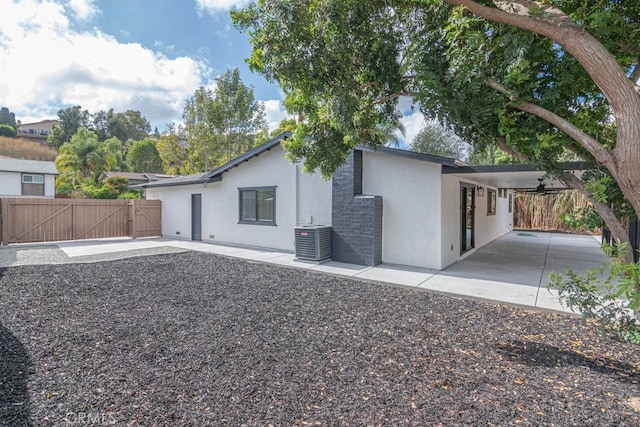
column 162, row 183
column 516, row 167
column 216, row 174
column 254, row 152
column 398, row 152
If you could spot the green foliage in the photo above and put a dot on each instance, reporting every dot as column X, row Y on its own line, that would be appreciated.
column 143, row 157
column 285, row 125
column 125, row 126
column 343, row 65
column 110, row 188
column 131, row 195
column 70, row 120
column 221, row 124
column 435, row 139
column 8, row 131
column 583, row 217
column 610, row 294
column 8, row 118
column 172, row 149
column 84, row 157
column 336, row 62
column 64, row 187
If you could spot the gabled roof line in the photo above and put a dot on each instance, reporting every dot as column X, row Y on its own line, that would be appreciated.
column 398, row 152
column 216, row 174
column 254, row 152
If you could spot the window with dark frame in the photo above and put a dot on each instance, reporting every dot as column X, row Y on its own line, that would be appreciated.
column 491, row 202
column 257, row 205
column 510, row 203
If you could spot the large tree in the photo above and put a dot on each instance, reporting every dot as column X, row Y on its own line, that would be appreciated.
column 172, row 149
column 436, row 139
column 539, row 78
column 69, row 121
column 130, row 125
column 223, row 123
column 143, row 157
column 8, row 118
column 84, row 157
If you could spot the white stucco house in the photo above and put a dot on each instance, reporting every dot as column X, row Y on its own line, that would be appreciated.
column 27, row 178
column 387, row 206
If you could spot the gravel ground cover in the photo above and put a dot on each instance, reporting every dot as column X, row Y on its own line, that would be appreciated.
column 195, row 339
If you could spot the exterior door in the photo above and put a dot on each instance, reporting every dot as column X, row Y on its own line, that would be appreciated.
column 196, row 217
column 467, row 207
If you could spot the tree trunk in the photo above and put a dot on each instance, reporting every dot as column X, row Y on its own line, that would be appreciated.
column 624, row 160
column 612, row 222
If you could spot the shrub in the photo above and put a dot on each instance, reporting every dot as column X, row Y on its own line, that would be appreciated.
column 613, row 301
column 9, row 131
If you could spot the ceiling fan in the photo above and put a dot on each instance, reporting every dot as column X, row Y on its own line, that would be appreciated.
column 540, row 189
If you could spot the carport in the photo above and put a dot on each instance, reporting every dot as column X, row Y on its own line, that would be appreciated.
column 515, row 268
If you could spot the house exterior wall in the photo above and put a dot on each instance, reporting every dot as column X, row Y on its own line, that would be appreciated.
column 176, row 208
column 411, row 195
column 11, row 184
column 356, row 217
column 49, row 185
column 300, row 198
column 487, row 227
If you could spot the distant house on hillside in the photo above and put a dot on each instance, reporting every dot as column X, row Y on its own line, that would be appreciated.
column 134, row 178
column 27, row 178
column 38, row 131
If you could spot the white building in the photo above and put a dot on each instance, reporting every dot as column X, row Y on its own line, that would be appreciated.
column 390, row 205
column 27, row 178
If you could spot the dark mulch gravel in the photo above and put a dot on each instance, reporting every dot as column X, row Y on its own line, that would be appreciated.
column 198, row 339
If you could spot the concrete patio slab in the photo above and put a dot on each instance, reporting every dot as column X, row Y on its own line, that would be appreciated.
column 341, row 268
column 397, row 275
column 513, row 269
column 484, row 289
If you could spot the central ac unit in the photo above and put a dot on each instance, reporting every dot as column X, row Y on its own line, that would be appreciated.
column 313, row 242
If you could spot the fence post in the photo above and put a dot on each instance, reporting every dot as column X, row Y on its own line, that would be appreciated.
column 1, row 223
column 131, row 218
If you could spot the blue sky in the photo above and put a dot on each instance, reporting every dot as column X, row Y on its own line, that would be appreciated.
column 146, row 55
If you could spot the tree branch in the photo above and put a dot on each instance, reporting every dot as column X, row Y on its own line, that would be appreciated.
column 600, row 153
column 502, row 143
column 606, row 213
column 554, row 24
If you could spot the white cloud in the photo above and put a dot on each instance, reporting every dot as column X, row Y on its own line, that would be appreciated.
column 215, row 6
column 83, row 9
column 275, row 112
column 46, row 66
column 413, row 123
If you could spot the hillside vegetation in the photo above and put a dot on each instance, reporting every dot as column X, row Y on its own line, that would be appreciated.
column 21, row 148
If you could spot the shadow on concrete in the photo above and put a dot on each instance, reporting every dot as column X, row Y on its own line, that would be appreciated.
column 14, row 369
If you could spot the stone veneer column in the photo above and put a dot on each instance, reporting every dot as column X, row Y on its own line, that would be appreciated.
column 356, row 219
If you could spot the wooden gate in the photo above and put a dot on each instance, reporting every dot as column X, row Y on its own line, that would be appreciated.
column 26, row 219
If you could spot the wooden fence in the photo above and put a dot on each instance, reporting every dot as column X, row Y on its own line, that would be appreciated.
column 24, row 219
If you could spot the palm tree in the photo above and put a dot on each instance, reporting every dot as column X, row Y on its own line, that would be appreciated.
column 84, row 157
column 390, row 133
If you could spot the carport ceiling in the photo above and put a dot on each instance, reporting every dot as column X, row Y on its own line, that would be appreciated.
column 510, row 176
